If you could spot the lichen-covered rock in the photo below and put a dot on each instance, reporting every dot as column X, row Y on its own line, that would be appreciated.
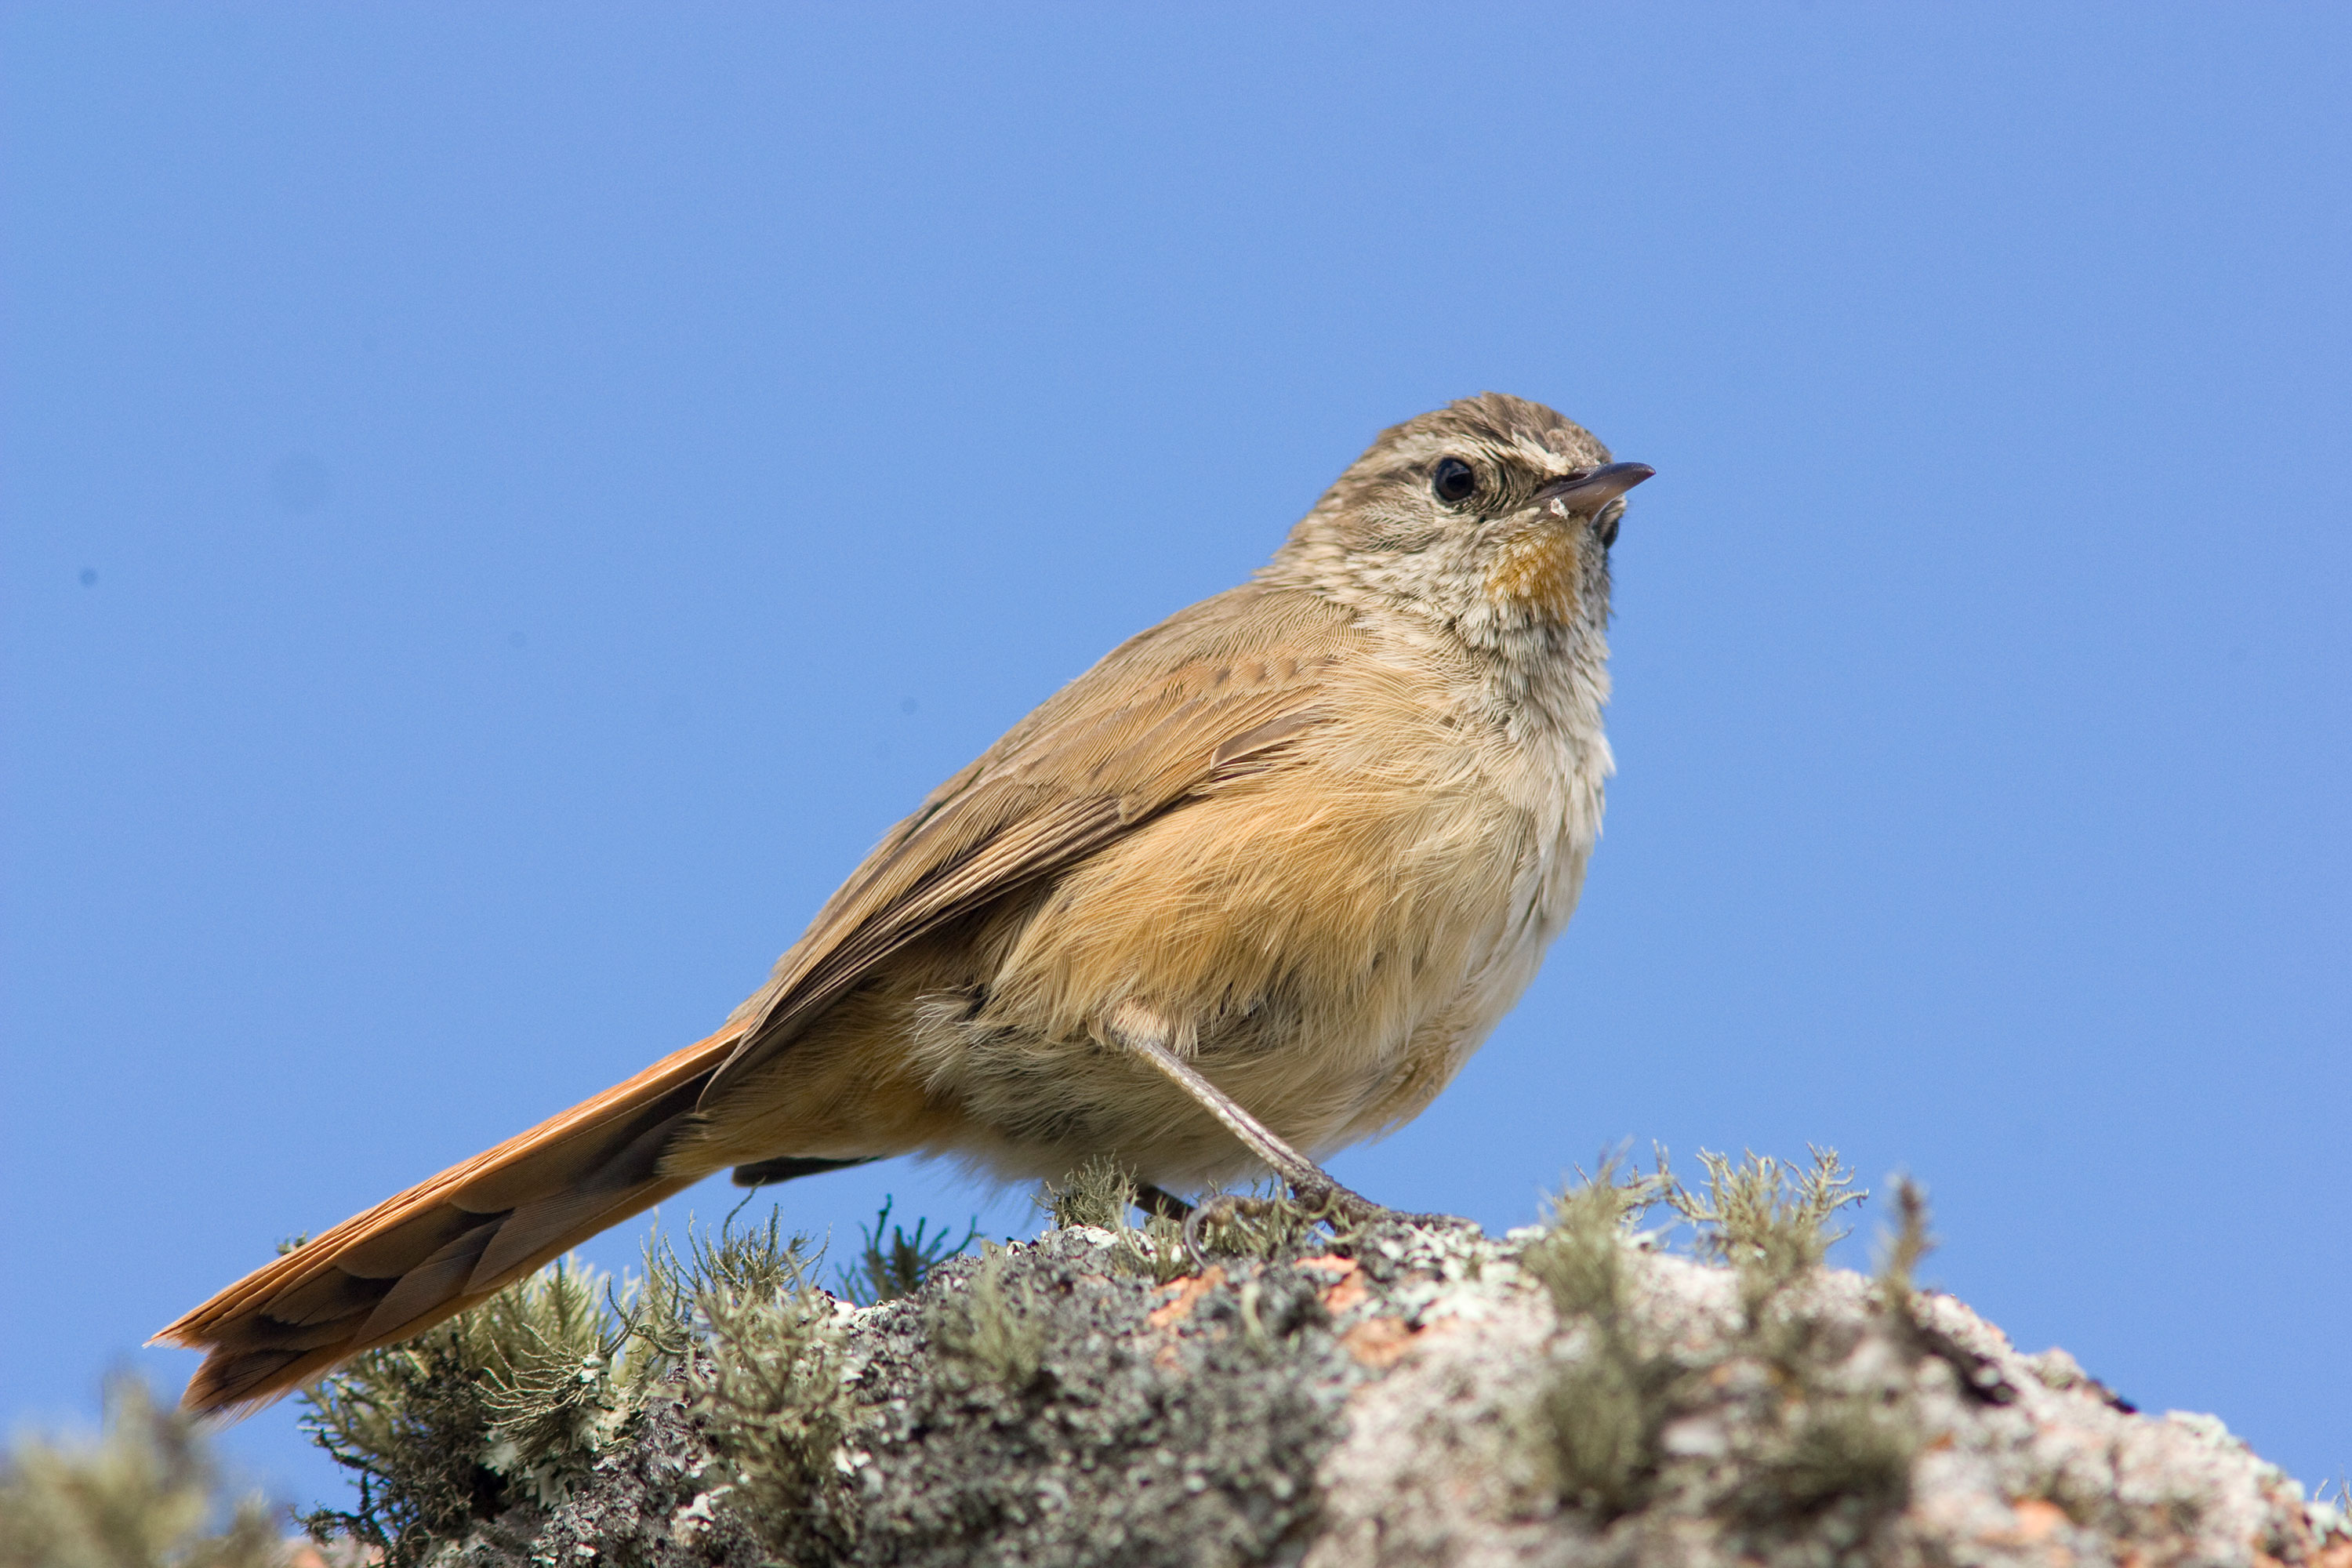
column 1876, row 1442
column 1421, row 1396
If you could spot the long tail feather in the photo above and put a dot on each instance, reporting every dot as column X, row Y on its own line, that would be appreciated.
column 448, row 1243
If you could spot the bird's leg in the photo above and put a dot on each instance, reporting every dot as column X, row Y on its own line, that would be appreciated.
column 1303, row 1175
column 1308, row 1181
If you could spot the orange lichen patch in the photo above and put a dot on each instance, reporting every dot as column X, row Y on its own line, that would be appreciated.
column 1537, row 569
column 2038, row 1520
column 1378, row 1343
column 1348, row 1294
column 304, row 1554
column 1327, row 1265
column 2337, row 1556
column 1189, row 1291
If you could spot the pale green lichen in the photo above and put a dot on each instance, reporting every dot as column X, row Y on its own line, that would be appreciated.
column 513, row 1399
column 1603, row 1408
column 768, row 1381
column 1822, row 1438
column 1579, row 1257
column 993, row 1328
column 1264, row 1222
column 1769, row 1219
column 143, row 1495
column 1097, row 1194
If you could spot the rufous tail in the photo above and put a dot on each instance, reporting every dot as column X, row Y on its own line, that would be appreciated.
column 446, row 1243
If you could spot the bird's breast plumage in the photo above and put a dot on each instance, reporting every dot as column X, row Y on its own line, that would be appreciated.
column 1329, row 932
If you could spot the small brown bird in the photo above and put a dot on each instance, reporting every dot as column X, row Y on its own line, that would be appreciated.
column 1257, row 883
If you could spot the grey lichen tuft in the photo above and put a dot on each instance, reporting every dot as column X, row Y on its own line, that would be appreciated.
column 1097, row 1194
column 513, row 1400
column 1826, row 1426
column 1845, row 1446
column 993, row 1328
column 143, row 1495
column 1602, row 1411
column 1154, row 1251
column 1580, row 1258
column 1604, row 1404
column 513, row 1403
column 1901, row 1251
column 1767, row 1219
column 769, row 1386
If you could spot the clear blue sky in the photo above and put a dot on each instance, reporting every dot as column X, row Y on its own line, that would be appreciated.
column 504, row 504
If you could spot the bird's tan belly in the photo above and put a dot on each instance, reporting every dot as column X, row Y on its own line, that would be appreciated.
column 1331, row 991
column 1330, row 969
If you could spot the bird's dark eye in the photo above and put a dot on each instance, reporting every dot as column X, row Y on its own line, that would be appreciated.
column 1454, row 480
column 1605, row 525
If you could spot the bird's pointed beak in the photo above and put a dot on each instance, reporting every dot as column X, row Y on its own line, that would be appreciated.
column 1587, row 492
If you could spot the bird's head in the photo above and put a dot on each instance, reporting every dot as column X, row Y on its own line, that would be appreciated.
column 1494, row 514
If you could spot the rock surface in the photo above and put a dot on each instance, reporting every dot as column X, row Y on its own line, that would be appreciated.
column 1416, row 1396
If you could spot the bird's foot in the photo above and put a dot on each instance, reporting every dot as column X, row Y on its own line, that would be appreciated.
column 1325, row 1201
column 1328, row 1200
column 1219, row 1209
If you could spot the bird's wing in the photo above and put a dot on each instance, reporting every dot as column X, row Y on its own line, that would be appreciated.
column 1210, row 696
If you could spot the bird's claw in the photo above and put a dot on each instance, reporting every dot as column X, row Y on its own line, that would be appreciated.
column 1221, row 1209
column 1325, row 1201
